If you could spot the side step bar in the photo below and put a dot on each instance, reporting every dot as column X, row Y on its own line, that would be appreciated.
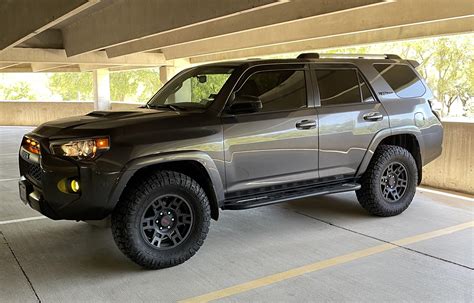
column 287, row 195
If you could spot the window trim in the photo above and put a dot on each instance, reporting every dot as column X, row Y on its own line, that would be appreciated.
column 359, row 75
column 271, row 68
column 379, row 74
column 371, row 91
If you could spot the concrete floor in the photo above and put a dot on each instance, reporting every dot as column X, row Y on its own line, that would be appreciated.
column 56, row 261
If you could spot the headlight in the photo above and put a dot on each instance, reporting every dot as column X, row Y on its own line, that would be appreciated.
column 81, row 149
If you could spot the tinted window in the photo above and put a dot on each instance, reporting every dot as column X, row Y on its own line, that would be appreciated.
column 197, row 87
column 278, row 90
column 338, row 86
column 402, row 79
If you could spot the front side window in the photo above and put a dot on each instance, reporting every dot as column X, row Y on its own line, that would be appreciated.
column 402, row 79
column 196, row 88
column 338, row 86
column 278, row 90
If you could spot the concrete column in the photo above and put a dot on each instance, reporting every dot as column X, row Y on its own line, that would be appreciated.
column 166, row 73
column 101, row 89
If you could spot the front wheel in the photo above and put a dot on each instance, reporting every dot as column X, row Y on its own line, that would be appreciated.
column 162, row 220
column 389, row 184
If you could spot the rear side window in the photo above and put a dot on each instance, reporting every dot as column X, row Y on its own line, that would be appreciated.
column 342, row 86
column 279, row 90
column 402, row 79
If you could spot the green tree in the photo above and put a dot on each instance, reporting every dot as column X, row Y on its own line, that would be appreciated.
column 72, row 86
column 19, row 91
column 212, row 86
column 137, row 85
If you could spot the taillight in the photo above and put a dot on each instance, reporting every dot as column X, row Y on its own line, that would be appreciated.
column 31, row 145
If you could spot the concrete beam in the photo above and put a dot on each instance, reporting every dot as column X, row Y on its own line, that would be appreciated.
column 23, row 19
column 50, row 38
column 58, row 56
column 438, row 28
column 390, row 15
column 18, row 68
column 6, row 65
column 41, row 67
column 127, row 20
column 92, row 67
column 126, row 68
column 287, row 12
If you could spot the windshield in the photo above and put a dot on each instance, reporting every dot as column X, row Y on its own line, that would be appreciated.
column 196, row 88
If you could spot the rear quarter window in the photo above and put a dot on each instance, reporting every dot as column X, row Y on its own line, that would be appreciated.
column 402, row 79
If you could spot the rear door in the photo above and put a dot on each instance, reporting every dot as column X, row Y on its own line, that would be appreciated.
column 349, row 117
column 277, row 145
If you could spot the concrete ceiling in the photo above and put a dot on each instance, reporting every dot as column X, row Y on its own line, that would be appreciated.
column 82, row 35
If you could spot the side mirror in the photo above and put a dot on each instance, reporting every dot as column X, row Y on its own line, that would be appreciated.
column 246, row 104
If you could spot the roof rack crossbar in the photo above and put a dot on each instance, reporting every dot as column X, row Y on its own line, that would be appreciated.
column 356, row 56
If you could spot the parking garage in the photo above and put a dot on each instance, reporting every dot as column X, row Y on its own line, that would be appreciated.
column 324, row 248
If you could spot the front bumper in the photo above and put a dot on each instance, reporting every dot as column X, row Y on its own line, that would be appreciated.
column 40, row 190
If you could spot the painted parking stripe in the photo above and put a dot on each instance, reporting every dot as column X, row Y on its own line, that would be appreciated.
column 22, row 220
column 442, row 193
column 275, row 278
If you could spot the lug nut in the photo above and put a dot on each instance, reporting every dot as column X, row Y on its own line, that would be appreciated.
column 161, row 214
column 172, row 219
column 161, row 227
column 169, row 213
column 169, row 227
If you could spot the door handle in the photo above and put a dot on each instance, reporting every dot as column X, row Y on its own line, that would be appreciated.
column 306, row 124
column 373, row 116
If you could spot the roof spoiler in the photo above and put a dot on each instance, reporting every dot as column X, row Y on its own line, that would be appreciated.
column 348, row 56
column 414, row 63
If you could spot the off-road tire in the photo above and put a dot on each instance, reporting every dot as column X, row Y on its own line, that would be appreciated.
column 126, row 219
column 370, row 195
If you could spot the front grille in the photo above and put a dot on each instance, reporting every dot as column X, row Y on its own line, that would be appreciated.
column 34, row 171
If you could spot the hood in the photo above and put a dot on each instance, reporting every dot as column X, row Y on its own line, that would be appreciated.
column 97, row 122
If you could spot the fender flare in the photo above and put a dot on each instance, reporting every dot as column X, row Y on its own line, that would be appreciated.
column 136, row 164
column 381, row 135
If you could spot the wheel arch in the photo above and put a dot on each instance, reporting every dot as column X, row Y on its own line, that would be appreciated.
column 406, row 137
column 196, row 165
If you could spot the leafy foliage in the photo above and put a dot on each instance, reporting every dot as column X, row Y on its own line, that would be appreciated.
column 212, row 86
column 138, row 85
column 19, row 91
column 72, row 86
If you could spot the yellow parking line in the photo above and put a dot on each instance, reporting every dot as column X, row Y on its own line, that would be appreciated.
column 271, row 279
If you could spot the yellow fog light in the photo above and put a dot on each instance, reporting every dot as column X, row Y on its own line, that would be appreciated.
column 74, row 185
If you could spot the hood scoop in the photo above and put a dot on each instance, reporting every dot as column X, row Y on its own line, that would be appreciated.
column 110, row 114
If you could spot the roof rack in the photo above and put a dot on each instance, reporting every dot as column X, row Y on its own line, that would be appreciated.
column 349, row 56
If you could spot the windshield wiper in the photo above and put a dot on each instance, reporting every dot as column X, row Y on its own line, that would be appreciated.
column 173, row 107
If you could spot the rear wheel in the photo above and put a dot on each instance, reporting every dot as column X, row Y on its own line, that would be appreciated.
column 389, row 184
column 162, row 220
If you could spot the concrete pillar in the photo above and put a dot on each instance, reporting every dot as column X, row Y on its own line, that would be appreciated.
column 101, row 89
column 166, row 73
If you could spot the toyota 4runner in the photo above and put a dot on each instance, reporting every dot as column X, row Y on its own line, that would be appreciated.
column 236, row 135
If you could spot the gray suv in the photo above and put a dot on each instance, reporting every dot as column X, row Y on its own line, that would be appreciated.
column 236, row 135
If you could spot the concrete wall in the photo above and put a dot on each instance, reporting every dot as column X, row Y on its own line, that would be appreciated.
column 454, row 170
column 35, row 113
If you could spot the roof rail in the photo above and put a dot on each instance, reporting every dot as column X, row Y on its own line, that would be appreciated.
column 349, row 56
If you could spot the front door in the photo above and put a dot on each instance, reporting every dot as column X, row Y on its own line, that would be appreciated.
column 278, row 144
column 349, row 118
